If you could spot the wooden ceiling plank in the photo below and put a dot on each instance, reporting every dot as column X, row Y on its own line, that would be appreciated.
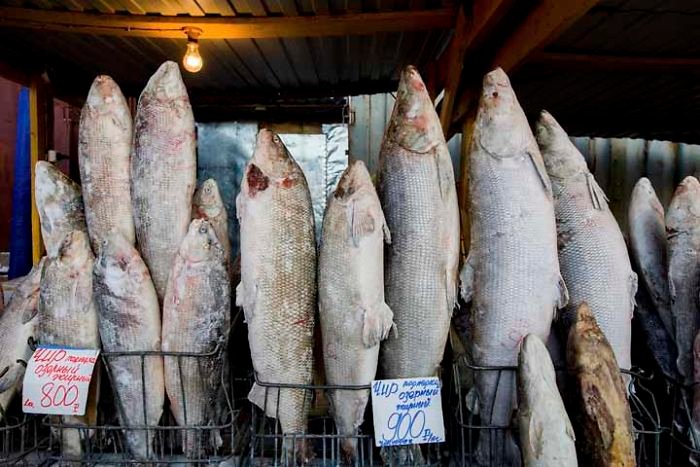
column 216, row 7
column 545, row 22
column 227, row 28
column 470, row 26
column 616, row 63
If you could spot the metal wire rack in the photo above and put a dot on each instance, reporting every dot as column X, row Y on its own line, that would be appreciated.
column 467, row 427
column 20, row 440
column 684, row 448
column 105, row 441
column 322, row 444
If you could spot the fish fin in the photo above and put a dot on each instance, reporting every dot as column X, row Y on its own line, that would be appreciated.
column 535, row 432
column 450, row 293
column 472, row 401
column 29, row 313
column 445, row 172
column 466, row 278
column 361, row 222
column 376, row 324
column 385, row 228
column 541, row 172
column 239, row 207
column 240, row 291
column 598, row 197
column 563, row 293
column 265, row 398
column 633, row 284
column 246, row 300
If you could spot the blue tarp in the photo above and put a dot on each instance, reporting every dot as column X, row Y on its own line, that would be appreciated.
column 21, row 224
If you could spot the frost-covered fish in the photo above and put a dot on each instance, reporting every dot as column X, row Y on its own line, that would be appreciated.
column 196, row 319
column 683, row 229
column 68, row 316
column 512, row 273
column 278, row 280
column 603, row 420
column 129, row 321
column 207, row 204
column 163, row 171
column 419, row 198
column 592, row 252
column 658, row 342
column 60, row 206
column 103, row 154
column 354, row 317
column 546, row 435
column 647, row 232
column 17, row 325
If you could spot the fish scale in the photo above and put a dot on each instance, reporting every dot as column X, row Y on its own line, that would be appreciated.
column 592, row 252
column 104, row 156
column 512, row 273
column 163, row 171
column 278, row 280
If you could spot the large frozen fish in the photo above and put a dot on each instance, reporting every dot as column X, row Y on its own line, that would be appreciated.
column 207, row 204
column 683, row 228
column 419, row 198
column 658, row 341
column 603, row 419
column 17, row 325
column 512, row 273
column 647, row 232
column 278, row 279
column 104, row 154
column 60, row 206
column 353, row 315
column 129, row 321
column 68, row 316
column 546, row 435
column 163, row 171
column 196, row 319
column 592, row 252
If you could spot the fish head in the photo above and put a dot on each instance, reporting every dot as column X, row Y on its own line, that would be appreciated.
column 50, row 184
column 645, row 194
column 501, row 128
column 116, row 255
column 532, row 358
column 106, row 99
column 271, row 164
column 683, row 213
column 561, row 158
column 165, row 85
column 354, row 180
column 414, row 123
column 201, row 243
column 207, row 199
column 75, row 248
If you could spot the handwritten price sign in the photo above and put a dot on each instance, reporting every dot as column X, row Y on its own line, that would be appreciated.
column 57, row 380
column 407, row 411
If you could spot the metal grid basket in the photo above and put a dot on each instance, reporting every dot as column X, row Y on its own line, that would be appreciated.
column 684, row 448
column 321, row 441
column 467, row 427
column 105, row 441
column 20, row 440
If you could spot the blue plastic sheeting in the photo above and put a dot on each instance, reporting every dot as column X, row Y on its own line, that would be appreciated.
column 21, row 223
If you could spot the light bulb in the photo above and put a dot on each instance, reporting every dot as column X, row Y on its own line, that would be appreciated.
column 192, row 61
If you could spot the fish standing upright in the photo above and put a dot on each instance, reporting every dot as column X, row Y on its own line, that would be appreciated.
column 18, row 324
column 129, row 321
column 163, row 171
column 546, row 435
column 603, row 419
column 60, row 206
column 354, row 317
column 196, row 319
column 419, row 198
column 512, row 273
column 647, row 232
column 207, row 204
column 683, row 230
column 592, row 252
column 104, row 154
column 278, row 281
column 68, row 317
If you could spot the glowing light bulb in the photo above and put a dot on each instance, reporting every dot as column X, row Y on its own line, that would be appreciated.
column 192, row 61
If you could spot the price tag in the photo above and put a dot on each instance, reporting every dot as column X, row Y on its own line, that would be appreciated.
column 407, row 411
column 57, row 380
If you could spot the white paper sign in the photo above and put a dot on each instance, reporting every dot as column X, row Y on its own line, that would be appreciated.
column 57, row 380
column 407, row 411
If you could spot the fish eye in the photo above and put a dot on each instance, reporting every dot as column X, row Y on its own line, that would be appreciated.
column 276, row 139
column 207, row 190
column 203, row 229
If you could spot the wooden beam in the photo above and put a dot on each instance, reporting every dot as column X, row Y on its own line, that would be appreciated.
column 463, row 185
column 545, row 23
column 227, row 28
column 616, row 63
column 37, row 140
column 469, row 28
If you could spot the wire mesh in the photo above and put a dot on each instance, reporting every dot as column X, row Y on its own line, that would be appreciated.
column 321, row 444
column 20, row 440
column 684, row 447
column 467, row 428
column 193, row 443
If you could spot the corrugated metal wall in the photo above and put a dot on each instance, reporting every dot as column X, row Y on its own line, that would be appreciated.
column 617, row 163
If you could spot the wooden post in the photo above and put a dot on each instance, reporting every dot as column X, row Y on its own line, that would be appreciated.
column 463, row 194
column 37, row 139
